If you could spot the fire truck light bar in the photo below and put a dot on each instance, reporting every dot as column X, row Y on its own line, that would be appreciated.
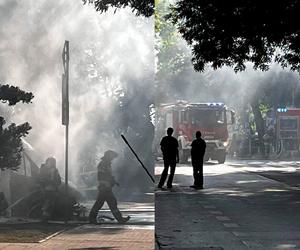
column 282, row 110
column 215, row 104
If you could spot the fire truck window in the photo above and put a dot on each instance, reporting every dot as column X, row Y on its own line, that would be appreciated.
column 169, row 120
column 183, row 115
column 288, row 128
column 220, row 117
column 230, row 117
column 288, row 124
column 207, row 118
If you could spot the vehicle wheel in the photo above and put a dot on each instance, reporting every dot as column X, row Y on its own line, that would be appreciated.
column 206, row 158
column 222, row 158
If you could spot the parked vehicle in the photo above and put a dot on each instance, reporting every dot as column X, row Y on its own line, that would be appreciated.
column 212, row 119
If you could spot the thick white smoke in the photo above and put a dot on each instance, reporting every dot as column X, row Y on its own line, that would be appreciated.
column 110, row 54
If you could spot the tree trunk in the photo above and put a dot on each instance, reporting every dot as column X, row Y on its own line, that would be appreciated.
column 259, row 122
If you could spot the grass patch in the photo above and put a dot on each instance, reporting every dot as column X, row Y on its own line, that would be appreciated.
column 28, row 232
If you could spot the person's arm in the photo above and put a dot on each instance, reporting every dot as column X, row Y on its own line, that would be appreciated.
column 192, row 147
column 111, row 177
column 177, row 151
column 114, row 182
column 162, row 145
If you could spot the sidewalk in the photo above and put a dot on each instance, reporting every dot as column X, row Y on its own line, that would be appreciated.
column 136, row 234
column 236, row 210
column 93, row 237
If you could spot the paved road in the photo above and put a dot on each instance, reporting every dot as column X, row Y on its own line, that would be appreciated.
column 238, row 209
column 287, row 172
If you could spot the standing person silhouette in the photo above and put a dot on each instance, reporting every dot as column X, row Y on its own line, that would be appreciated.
column 169, row 148
column 50, row 181
column 197, row 153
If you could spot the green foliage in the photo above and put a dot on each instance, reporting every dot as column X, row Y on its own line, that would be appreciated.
column 10, row 137
column 171, row 52
column 13, row 95
column 240, row 31
column 11, row 144
column 252, row 121
column 140, row 7
column 264, row 107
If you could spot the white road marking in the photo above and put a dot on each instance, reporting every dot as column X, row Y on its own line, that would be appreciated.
column 209, row 206
column 240, row 234
column 222, row 218
column 230, row 225
column 251, row 244
column 216, row 212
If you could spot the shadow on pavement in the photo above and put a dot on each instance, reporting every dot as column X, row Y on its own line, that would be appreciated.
column 94, row 248
column 235, row 208
column 277, row 173
column 89, row 228
column 253, row 188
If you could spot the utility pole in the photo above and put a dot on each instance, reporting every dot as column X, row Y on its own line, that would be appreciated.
column 65, row 118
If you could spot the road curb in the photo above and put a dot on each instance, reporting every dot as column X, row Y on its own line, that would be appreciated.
column 53, row 235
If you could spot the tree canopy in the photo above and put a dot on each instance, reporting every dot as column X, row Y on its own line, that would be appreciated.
column 13, row 95
column 10, row 137
column 140, row 7
column 238, row 31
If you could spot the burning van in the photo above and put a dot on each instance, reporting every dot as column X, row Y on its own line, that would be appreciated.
column 212, row 119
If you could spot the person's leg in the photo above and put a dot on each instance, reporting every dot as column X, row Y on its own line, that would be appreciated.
column 164, row 174
column 95, row 209
column 171, row 176
column 49, row 203
column 195, row 172
column 113, row 206
column 200, row 173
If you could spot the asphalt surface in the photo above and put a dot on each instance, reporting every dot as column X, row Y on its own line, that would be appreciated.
column 287, row 172
column 245, row 205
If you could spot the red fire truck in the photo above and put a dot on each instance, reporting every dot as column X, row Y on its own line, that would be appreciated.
column 212, row 119
column 288, row 128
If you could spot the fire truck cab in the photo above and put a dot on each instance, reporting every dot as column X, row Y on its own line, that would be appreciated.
column 288, row 128
column 212, row 119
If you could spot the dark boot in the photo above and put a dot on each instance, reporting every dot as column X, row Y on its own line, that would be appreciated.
column 124, row 220
column 117, row 214
column 93, row 217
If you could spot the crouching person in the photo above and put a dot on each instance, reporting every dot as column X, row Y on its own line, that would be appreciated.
column 50, row 180
column 106, row 182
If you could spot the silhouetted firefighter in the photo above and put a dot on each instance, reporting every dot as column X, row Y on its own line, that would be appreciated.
column 50, row 180
column 169, row 148
column 106, row 182
column 197, row 153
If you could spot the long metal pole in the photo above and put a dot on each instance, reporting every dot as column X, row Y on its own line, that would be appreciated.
column 67, row 173
column 66, row 123
column 67, row 133
column 123, row 137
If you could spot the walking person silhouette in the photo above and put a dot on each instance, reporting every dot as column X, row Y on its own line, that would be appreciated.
column 197, row 154
column 169, row 148
column 106, row 182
